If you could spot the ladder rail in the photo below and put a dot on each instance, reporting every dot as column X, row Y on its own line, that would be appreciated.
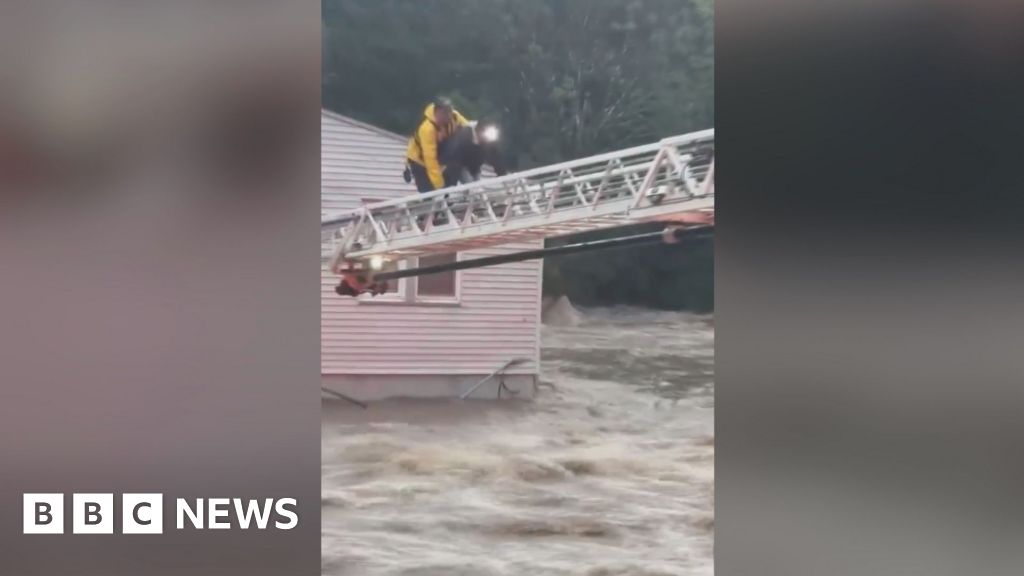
column 608, row 215
column 614, row 188
column 703, row 136
column 514, row 185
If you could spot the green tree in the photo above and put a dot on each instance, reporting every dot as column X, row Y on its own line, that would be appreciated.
column 566, row 79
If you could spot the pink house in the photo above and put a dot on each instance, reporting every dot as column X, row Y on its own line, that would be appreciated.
column 435, row 335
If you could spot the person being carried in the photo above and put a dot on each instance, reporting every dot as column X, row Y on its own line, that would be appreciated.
column 469, row 149
column 430, row 145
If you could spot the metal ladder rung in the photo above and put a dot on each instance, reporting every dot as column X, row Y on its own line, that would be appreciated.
column 602, row 191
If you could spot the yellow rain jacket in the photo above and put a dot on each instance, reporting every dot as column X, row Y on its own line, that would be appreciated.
column 423, row 144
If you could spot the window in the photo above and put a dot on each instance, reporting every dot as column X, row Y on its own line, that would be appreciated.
column 439, row 285
column 395, row 288
column 439, row 288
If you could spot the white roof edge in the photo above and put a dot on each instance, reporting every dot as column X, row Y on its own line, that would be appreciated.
column 364, row 125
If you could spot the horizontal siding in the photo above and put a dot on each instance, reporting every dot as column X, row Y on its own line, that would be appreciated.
column 496, row 320
column 498, row 313
column 357, row 163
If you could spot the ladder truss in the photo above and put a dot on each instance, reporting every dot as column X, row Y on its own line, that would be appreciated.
column 630, row 186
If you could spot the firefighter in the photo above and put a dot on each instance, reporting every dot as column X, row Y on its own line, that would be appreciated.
column 429, row 146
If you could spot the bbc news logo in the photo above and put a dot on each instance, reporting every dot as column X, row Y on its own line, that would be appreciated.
column 144, row 513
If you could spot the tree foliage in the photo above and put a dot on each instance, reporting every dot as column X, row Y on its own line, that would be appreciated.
column 565, row 78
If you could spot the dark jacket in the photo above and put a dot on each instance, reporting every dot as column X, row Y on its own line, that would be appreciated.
column 464, row 151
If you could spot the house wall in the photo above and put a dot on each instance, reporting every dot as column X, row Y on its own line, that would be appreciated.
column 497, row 315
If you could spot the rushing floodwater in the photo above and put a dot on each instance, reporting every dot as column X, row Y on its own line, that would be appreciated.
column 607, row 472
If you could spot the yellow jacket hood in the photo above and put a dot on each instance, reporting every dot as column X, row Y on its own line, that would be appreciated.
column 423, row 144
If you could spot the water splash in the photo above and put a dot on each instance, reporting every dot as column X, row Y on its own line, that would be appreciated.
column 608, row 472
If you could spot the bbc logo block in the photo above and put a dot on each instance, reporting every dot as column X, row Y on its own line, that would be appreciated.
column 93, row 513
column 142, row 513
column 43, row 514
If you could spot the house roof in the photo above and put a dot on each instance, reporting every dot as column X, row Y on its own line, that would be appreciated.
column 363, row 125
column 359, row 162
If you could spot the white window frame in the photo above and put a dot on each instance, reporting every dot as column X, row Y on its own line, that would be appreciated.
column 455, row 299
column 408, row 288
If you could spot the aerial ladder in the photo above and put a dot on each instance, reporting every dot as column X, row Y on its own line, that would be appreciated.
column 671, row 180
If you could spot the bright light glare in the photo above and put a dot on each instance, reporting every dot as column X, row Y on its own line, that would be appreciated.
column 376, row 262
column 491, row 133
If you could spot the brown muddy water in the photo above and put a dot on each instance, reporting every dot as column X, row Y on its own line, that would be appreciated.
column 609, row 471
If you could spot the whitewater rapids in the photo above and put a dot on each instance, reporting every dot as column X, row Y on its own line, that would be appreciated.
column 609, row 471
